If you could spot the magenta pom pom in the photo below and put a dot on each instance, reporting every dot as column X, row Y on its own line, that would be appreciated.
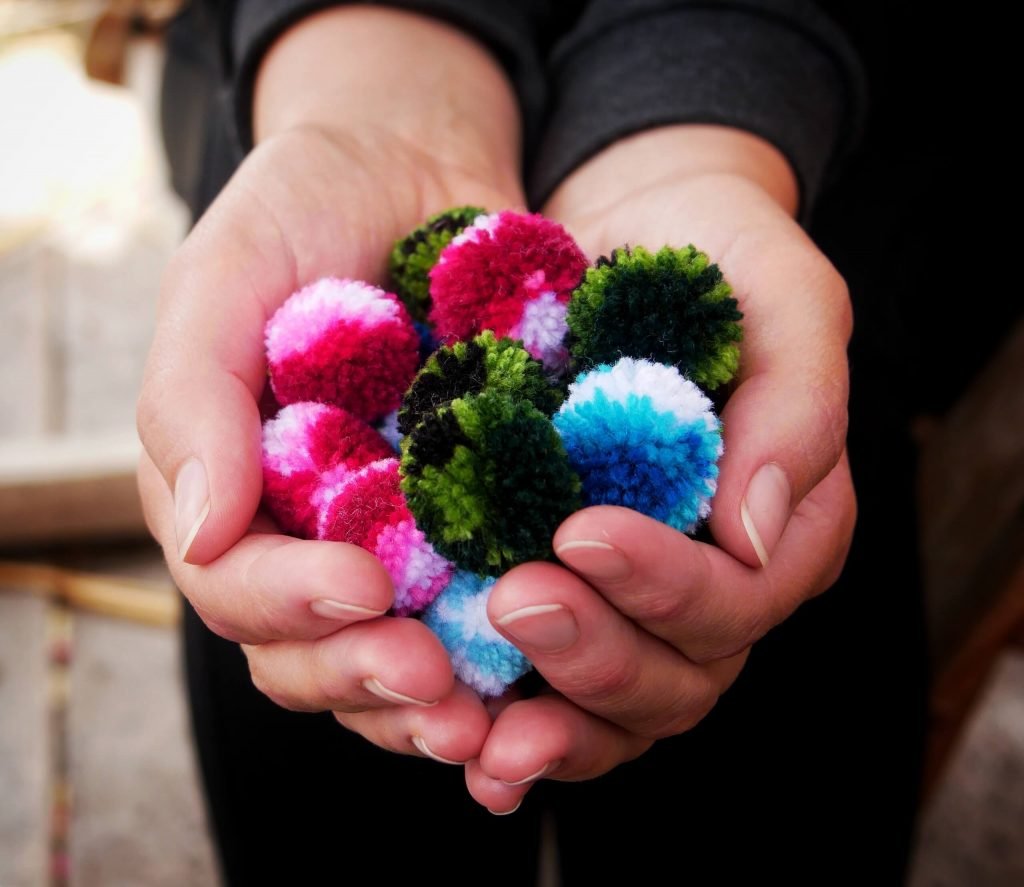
column 304, row 446
column 511, row 273
column 345, row 343
column 367, row 508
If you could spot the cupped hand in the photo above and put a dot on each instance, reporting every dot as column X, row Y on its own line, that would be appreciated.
column 325, row 192
column 643, row 628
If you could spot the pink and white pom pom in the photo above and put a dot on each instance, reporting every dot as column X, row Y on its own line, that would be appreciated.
column 511, row 273
column 304, row 446
column 345, row 343
column 328, row 475
column 368, row 509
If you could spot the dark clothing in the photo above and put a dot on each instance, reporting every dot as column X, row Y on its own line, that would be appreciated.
column 587, row 74
column 827, row 719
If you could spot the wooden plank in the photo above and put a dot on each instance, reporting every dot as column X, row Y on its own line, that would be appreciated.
column 24, row 742
column 138, row 600
column 137, row 816
column 54, row 488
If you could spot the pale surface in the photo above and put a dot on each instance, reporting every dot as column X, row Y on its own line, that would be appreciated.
column 24, row 742
column 137, row 815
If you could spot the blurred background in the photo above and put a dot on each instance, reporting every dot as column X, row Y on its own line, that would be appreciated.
column 97, row 776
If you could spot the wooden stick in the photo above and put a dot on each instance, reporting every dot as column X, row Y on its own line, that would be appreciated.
column 150, row 603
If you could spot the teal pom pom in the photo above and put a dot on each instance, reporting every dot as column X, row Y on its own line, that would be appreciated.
column 488, row 481
column 412, row 257
column 672, row 306
column 642, row 436
column 480, row 656
column 484, row 364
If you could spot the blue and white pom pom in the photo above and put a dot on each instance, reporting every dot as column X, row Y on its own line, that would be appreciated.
column 480, row 656
column 642, row 436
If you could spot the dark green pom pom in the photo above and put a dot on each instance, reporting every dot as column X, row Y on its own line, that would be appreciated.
column 484, row 364
column 489, row 481
column 672, row 306
column 412, row 257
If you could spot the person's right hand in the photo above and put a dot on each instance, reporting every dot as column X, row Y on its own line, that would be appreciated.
column 367, row 121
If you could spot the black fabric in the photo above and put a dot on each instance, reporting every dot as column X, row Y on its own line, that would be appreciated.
column 780, row 70
column 587, row 74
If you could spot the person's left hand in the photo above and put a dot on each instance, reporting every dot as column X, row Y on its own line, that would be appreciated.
column 644, row 628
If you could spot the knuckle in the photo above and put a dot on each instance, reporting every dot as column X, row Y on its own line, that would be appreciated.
column 661, row 606
column 328, row 681
column 611, row 680
column 681, row 717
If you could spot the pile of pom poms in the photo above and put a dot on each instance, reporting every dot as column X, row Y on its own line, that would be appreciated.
column 451, row 426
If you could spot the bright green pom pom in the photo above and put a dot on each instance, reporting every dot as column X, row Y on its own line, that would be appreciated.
column 489, row 481
column 672, row 306
column 484, row 364
column 412, row 257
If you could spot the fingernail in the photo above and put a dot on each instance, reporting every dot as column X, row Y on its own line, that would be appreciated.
column 423, row 748
column 506, row 812
column 533, row 777
column 765, row 510
column 545, row 627
column 597, row 559
column 329, row 609
column 191, row 504
column 378, row 689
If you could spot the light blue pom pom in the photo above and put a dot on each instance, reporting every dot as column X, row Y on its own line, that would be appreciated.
column 480, row 656
column 642, row 436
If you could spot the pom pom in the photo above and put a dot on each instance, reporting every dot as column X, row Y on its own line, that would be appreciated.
column 511, row 273
column 672, row 307
column 304, row 446
column 414, row 256
column 642, row 436
column 488, row 480
column 345, row 343
column 480, row 656
column 367, row 508
column 484, row 364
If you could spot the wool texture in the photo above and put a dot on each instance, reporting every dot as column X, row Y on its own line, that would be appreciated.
column 412, row 257
column 489, row 481
column 304, row 446
column 367, row 508
column 486, row 363
column 672, row 306
column 642, row 436
column 511, row 273
column 345, row 343
column 480, row 656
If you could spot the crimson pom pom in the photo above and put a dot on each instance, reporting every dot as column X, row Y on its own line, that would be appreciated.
column 305, row 446
column 345, row 343
column 511, row 273
column 368, row 509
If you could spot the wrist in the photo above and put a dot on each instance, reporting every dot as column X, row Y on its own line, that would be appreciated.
column 671, row 154
column 368, row 73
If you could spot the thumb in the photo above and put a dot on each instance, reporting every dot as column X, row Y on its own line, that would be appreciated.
column 784, row 426
column 198, row 415
column 782, row 438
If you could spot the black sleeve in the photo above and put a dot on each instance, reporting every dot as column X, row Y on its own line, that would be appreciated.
column 587, row 74
column 777, row 68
